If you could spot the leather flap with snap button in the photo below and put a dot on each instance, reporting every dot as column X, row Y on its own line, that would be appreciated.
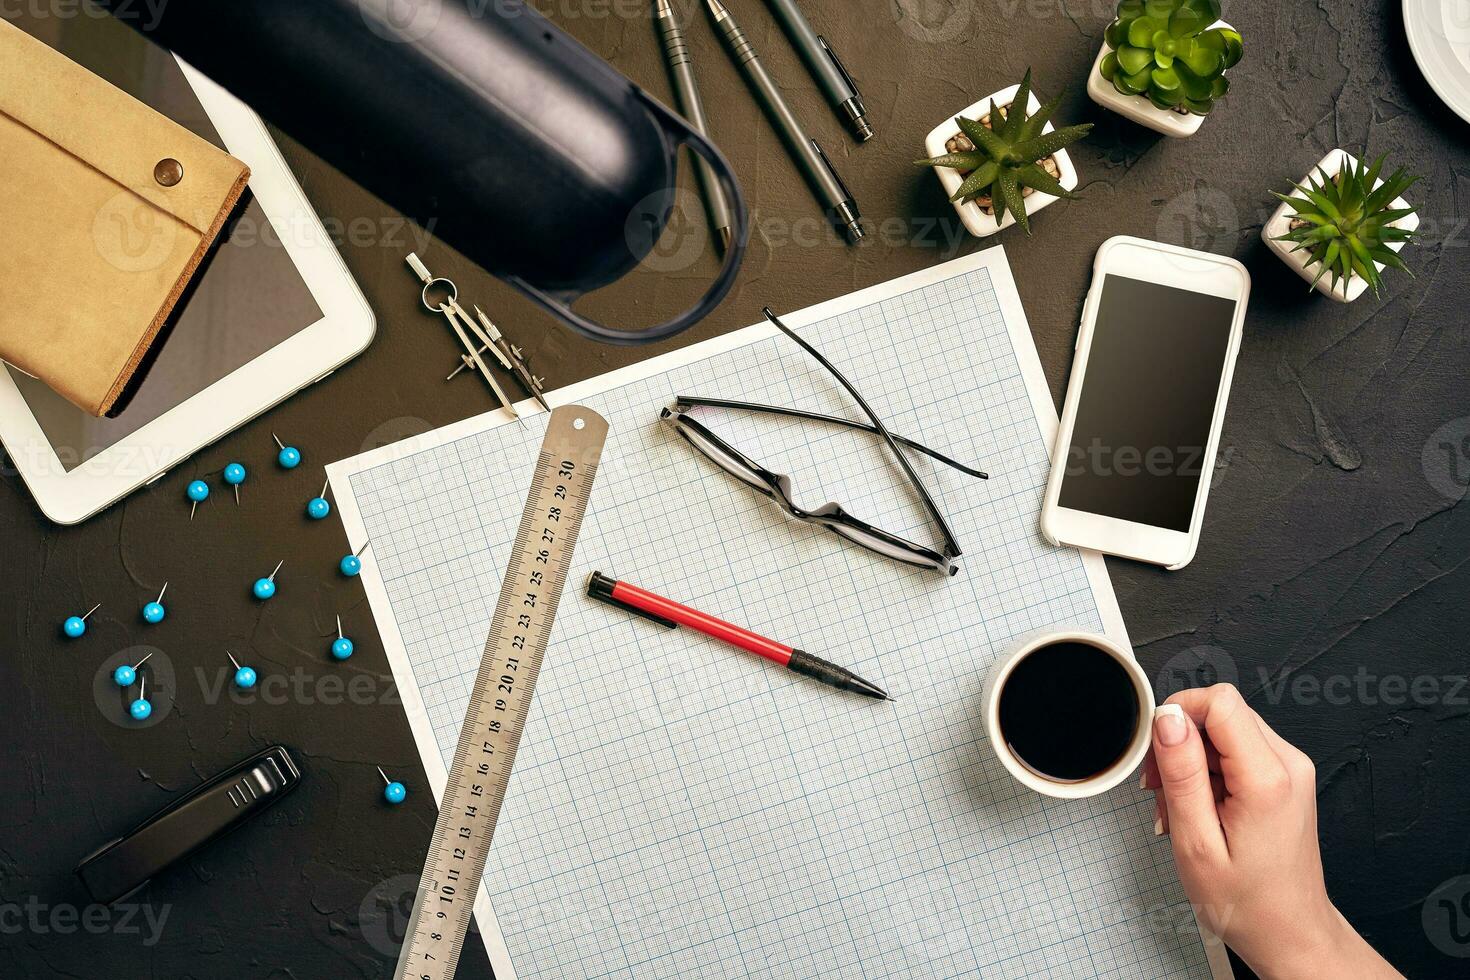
column 107, row 208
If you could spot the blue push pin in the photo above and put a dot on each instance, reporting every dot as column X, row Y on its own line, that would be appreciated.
column 317, row 507
column 197, row 491
column 234, row 476
column 244, row 676
column 351, row 564
column 289, row 457
column 75, row 626
column 394, row 792
column 125, row 676
column 154, row 612
column 341, row 646
column 141, row 708
column 264, row 588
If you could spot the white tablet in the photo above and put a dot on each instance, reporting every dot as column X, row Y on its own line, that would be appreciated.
column 273, row 311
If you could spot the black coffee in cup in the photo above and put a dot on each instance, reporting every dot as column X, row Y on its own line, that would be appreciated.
column 1068, row 711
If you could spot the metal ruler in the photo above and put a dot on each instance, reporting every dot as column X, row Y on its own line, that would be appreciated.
column 501, row 697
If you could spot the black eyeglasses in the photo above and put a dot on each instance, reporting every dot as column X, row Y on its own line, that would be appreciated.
column 831, row 515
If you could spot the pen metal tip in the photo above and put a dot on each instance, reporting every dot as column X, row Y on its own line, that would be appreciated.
column 718, row 9
column 855, row 232
column 726, row 237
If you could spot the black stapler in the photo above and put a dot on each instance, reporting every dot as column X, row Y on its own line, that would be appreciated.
column 219, row 805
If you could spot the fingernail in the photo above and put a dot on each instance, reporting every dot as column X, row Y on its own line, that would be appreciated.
column 1158, row 826
column 1143, row 780
column 1169, row 724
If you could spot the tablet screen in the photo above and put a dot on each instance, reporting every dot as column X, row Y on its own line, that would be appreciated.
column 246, row 300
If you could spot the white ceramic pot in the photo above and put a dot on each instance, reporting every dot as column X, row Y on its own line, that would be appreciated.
column 1138, row 107
column 974, row 218
column 1346, row 290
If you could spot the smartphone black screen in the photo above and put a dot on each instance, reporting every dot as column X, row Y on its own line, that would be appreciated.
column 1148, row 399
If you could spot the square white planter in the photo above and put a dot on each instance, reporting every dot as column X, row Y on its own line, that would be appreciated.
column 1346, row 290
column 1138, row 107
column 975, row 220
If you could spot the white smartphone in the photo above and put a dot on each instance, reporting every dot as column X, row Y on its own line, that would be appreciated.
column 1140, row 428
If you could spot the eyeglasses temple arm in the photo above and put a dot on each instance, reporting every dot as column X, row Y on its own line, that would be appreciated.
column 696, row 400
column 951, row 545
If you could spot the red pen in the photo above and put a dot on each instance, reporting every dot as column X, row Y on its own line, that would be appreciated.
column 671, row 614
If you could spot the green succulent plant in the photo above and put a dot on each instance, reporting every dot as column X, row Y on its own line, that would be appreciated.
column 1166, row 51
column 1346, row 225
column 1008, row 155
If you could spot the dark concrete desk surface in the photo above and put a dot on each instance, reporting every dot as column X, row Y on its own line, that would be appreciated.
column 1334, row 552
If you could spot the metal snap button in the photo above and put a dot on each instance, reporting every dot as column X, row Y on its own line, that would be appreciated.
column 168, row 171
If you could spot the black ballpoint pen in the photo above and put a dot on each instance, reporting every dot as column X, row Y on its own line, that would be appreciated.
column 808, row 156
column 828, row 69
column 681, row 75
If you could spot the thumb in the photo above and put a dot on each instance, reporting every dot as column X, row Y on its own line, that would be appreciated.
column 1184, row 775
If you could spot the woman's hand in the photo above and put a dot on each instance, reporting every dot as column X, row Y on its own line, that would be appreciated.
column 1240, row 806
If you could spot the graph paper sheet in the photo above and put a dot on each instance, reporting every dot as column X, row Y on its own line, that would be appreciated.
column 681, row 808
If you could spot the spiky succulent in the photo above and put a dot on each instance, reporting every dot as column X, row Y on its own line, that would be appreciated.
column 1346, row 224
column 1006, row 159
column 1166, row 51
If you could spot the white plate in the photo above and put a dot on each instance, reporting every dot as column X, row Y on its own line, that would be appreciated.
column 1439, row 36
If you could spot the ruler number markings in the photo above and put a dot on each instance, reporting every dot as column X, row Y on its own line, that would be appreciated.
column 501, row 697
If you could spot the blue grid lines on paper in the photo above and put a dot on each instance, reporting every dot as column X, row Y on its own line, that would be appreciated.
column 679, row 808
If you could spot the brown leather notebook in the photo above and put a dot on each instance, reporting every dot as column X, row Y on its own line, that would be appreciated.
column 106, row 209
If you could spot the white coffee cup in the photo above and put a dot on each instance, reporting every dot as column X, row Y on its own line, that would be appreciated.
column 1074, row 789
